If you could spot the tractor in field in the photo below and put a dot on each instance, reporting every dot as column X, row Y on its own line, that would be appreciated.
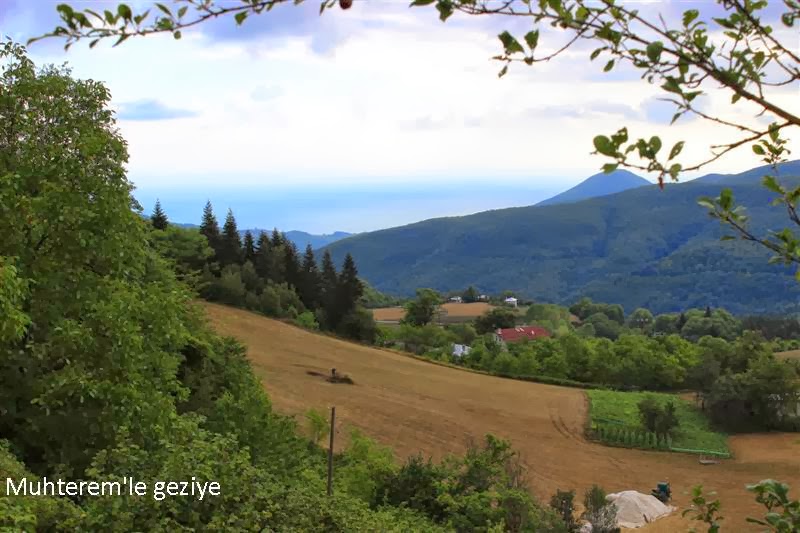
column 662, row 491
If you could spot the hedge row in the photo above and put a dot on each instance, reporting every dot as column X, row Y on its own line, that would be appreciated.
column 632, row 437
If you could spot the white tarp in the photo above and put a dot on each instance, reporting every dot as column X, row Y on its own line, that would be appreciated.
column 635, row 509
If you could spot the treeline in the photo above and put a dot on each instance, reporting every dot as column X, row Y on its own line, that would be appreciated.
column 266, row 273
column 740, row 382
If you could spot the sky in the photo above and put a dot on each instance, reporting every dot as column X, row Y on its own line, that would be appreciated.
column 361, row 119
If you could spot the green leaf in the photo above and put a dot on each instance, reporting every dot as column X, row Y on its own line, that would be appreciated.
column 177, row 34
column 124, row 11
column 182, row 11
column 532, row 39
column 422, row 2
column 654, row 50
column 726, row 199
column 758, row 149
column 655, row 144
column 445, row 8
column 510, row 44
column 771, row 183
column 596, row 53
column 689, row 16
column 603, row 145
column 676, row 150
column 610, row 167
column 165, row 9
column 706, row 202
column 239, row 17
column 609, row 66
column 503, row 71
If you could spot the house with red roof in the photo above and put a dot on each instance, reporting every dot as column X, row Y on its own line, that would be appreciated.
column 520, row 333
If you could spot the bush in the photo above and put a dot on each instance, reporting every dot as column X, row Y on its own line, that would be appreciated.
column 658, row 418
column 307, row 320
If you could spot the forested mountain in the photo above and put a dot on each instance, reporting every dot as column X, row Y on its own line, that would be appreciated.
column 598, row 185
column 641, row 248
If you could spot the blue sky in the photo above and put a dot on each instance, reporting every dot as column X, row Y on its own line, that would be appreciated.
column 377, row 100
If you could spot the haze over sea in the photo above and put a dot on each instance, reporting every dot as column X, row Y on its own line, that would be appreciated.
column 353, row 208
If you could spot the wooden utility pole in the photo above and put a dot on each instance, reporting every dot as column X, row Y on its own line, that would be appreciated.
column 330, row 452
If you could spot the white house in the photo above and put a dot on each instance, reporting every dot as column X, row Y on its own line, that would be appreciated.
column 460, row 350
column 511, row 301
column 456, row 299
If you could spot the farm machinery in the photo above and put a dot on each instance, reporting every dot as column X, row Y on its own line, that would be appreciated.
column 662, row 491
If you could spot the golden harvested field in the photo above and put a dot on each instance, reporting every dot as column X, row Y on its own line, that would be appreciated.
column 453, row 310
column 792, row 354
column 415, row 406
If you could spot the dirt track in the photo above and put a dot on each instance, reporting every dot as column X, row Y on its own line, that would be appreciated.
column 416, row 406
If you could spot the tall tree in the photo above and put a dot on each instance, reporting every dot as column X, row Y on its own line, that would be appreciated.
column 277, row 238
column 329, row 286
column 349, row 290
column 264, row 259
column 231, row 246
column 210, row 228
column 159, row 219
column 310, row 290
column 249, row 248
column 291, row 264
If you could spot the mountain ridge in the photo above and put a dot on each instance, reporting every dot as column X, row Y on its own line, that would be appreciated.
column 598, row 185
column 642, row 248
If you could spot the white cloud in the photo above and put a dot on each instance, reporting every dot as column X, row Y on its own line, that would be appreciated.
column 396, row 96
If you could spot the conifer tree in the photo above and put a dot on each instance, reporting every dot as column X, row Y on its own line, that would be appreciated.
column 249, row 248
column 349, row 289
column 210, row 228
column 277, row 238
column 159, row 219
column 329, row 282
column 263, row 260
column 310, row 290
column 231, row 247
column 291, row 264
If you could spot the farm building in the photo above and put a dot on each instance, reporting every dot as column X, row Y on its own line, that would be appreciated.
column 511, row 301
column 456, row 299
column 460, row 350
column 520, row 333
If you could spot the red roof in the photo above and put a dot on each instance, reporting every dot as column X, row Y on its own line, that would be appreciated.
column 522, row 332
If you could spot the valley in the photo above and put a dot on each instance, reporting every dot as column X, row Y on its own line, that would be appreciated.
column 415, row 406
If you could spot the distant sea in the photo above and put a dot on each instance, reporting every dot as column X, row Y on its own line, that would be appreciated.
column 352, row 208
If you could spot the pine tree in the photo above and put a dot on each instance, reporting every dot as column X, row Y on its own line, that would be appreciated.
column 350, row 288
column 159, row 219
column 249, row 248
column 210, row 228
column 329, row 286
column 231, row 246
column 310, row 290
column 291, row 264
column 277, row 238
column 263, row 260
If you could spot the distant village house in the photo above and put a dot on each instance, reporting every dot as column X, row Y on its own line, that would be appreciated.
column 456, row 299
column 520, row 333
column 460, row 350
column 511, row 301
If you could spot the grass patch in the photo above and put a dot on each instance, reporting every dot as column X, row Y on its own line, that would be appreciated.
column 694, row 431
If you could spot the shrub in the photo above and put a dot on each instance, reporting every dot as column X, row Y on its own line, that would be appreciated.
column 307, row 320
column 658, row 418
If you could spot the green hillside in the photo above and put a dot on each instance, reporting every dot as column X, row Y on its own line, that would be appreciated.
column 641, row 247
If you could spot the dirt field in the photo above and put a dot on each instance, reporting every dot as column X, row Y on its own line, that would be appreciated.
column 416, row 406
column 451, row 311
column 793, row 354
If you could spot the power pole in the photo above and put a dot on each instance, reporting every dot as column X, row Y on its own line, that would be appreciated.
column 330, row 452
